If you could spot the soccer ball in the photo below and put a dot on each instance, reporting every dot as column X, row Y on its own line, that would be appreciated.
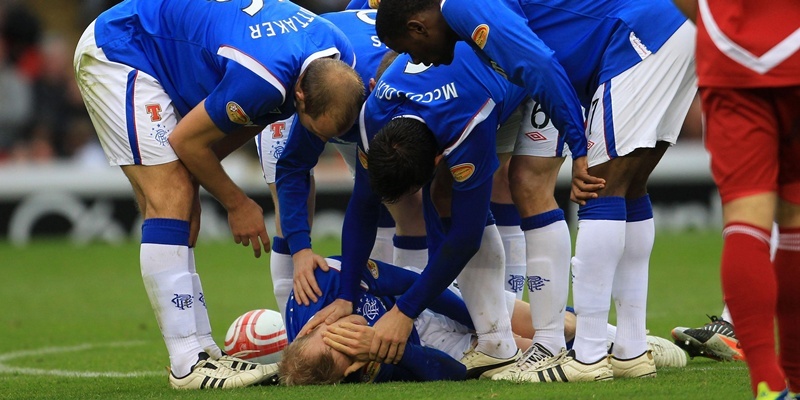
column 258, row 336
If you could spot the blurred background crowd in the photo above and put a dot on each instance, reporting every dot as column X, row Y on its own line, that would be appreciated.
column 42, row 117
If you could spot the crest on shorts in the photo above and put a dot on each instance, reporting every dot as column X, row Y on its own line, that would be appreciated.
column 236, row 113
column 480, row 35
column 373, row 268
column 362, row 158
column 462, row 172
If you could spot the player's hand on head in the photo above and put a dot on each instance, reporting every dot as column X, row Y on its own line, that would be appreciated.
column 247, row 226
column 306, row 288
column 391, row 334
column 584, row 186
column 355, row 367
column 353, row 340
column 330, row 314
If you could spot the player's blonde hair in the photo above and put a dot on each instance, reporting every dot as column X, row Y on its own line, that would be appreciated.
column 301, row 367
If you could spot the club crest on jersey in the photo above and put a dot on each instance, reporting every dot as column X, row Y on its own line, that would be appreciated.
column 362, row 158
column 373, row 268
column 370, row 308
column 462, row 172
column 374, row 3
column 236, row 113
column 480, row 35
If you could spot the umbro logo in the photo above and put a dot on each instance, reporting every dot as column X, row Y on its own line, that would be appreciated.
column 589, row 145
column 535, row 136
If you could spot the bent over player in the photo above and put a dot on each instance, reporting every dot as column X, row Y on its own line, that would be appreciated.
column 172, row 86
column 630, row 64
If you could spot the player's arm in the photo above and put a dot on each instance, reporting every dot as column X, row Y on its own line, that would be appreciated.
column 419, row 363
column 391, row 280
column 470, row 209
column 293, row 185
column 192, row 141
column 531, row 64
column 358, row 237
column 469, row 213
column 358, row 232
column 240, row 93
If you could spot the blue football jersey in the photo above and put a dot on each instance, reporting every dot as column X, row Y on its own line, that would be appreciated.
column 368, row 305
column 379, row 283
column 242, row 57
column 561, row 49
column 462, row 104
column 302, row 148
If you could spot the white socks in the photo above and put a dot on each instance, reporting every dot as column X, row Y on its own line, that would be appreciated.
column 202, row 322
column 481, row 287
column 383, row 250
column 514, row 249
column 630, row 290
column 410, row 251
column 598, row 249
column 548, row 246
column 281, row 268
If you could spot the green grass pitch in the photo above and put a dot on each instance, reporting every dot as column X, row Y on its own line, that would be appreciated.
column 76, row 324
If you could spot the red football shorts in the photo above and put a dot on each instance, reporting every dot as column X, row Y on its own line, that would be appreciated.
column 753, row 136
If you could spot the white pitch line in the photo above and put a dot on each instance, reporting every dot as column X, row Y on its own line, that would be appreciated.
column 66, row 373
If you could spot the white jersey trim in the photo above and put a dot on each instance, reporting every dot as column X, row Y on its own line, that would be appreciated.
column 768, row 61
column 335, row 264
column 481, row 116
column 333, row 51
column 253, row 65
column 362, row 129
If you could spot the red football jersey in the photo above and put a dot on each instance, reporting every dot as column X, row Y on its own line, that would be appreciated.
column 748, row 43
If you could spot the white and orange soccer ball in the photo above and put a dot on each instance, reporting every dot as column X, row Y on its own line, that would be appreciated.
column 257, row 336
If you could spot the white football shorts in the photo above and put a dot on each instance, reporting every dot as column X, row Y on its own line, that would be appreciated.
column 645, row 104
column 130, row 111
column 271, row 142
column 529, row 132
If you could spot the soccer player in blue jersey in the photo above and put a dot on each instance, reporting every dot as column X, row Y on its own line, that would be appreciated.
column 173, row 86
column 462, row 105
column 630, row 64
column 306, row 361
column 442, row 333
column 289, row 151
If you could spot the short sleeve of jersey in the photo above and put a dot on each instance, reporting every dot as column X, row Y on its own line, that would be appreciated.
column 474, row 160
column 243, row 98
column 258, row 90
column 490, row 27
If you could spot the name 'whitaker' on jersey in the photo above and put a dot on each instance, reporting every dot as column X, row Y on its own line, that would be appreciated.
column 200, row 50
column 296, row 22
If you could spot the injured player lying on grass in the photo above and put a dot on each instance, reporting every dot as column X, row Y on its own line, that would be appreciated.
column 340, row 352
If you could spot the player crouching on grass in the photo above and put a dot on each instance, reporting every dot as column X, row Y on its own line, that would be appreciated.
column 339, row 352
